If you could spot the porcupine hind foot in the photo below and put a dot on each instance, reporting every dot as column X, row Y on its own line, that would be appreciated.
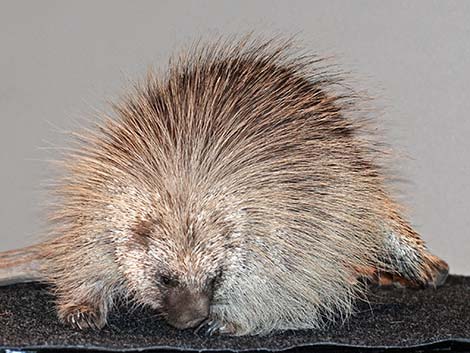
column 434, row 274
column 407, row 263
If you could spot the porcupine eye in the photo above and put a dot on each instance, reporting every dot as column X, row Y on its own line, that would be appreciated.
column 168, row 281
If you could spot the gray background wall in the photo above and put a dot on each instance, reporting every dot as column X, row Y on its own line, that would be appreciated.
column 59, row 60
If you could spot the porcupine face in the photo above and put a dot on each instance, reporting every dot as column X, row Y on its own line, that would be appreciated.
column 175, row 262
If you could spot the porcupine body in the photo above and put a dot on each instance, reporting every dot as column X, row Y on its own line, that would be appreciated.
column 235, row 191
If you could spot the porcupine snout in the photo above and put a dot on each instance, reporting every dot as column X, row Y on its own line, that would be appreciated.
column 185, row 308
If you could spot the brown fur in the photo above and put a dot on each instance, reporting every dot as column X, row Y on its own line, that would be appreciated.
column 238, row 188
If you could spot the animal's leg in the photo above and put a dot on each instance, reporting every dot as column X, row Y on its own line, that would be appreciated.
column 405, row 261
column 214, row 326
column 83, row 312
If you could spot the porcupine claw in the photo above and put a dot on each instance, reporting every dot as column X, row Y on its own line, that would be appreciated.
column 84, row 319
column 214, row 327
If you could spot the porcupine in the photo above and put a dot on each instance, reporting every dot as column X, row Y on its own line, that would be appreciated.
column 236, row 192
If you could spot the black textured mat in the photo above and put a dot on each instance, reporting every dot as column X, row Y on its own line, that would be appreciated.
column 395, row 318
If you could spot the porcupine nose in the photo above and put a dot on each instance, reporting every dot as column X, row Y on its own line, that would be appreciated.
column 185, row 308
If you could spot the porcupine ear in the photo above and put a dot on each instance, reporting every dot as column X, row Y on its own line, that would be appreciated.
column 142, row 230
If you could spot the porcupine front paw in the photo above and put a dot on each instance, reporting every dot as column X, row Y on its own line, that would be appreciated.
column 82, row 317
column 213, row 327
